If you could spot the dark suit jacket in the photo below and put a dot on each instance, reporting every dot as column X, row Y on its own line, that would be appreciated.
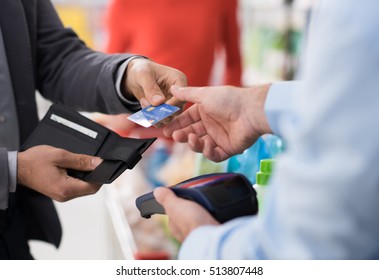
column 45, row 56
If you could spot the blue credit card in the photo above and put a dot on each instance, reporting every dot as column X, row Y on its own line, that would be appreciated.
column 152, row 115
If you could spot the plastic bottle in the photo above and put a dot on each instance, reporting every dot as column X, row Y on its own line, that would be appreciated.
column 273, row 144
column 155, row 161
column 247, row 163
column 262, row 179
column 267, row 146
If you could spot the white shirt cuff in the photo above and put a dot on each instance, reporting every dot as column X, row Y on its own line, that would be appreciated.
column 12, row 169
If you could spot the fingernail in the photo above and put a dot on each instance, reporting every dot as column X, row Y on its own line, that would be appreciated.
column 157, row 193
column 157, row 98
column 144, row 102
column 95, row 161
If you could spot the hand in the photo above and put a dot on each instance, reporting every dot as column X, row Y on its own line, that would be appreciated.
column 223, row 120
column 150, row 82
column 43, row 169
column 184, row 215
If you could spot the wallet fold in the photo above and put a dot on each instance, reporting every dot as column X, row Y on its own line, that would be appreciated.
column 67, row 129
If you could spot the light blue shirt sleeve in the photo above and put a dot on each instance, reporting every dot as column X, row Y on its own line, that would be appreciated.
column 322, row 201
column 279, row 103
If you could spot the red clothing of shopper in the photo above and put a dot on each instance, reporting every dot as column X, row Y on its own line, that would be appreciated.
column 183, row 34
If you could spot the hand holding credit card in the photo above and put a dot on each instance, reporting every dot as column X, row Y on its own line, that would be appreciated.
column 152, row 115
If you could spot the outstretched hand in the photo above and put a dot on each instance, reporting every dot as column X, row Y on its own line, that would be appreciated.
column 223, row 121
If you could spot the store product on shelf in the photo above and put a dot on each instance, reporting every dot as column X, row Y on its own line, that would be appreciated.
column 149, row 238
column 247, row 163
column 205, row 166
column 157, row 159
column 274, row 145
column 179, row 166
column 262, row 180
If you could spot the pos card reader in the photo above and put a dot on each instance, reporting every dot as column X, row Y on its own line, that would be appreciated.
column 224, row 195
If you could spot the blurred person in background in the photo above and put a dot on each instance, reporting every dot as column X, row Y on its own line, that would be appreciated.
column 189, row 35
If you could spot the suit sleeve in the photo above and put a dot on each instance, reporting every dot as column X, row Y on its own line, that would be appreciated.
column 4, row 179
column 70, row 73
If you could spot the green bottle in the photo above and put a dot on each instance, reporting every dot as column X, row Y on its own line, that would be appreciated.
column 262, row 179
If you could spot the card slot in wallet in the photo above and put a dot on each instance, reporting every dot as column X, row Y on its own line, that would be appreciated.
column 69, row 130
column 75, row 141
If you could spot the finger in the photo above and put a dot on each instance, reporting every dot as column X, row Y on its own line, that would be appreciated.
column 187, row 118
column 144, row 102
column 162, row 195
column 196, row 144
column 175, row 230
column 213, row 152
column 176, row 102
column 73, row 188
column 165, row 121
column 180, row 136
column 187, row 123
column 168, row 200
column 181, row 80
column 151, row 89
column 81, row 162
column 189, row 94
column 197, row 129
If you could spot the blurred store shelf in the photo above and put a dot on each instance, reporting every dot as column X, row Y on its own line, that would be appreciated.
column 136, row 237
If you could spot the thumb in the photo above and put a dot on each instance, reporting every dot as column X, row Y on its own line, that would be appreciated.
column 189, row 94
column 166, row 198
column 81, row 162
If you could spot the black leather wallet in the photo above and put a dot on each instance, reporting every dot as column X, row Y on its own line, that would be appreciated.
column 65, row 128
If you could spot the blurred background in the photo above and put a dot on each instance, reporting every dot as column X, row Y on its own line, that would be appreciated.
column 214, row 42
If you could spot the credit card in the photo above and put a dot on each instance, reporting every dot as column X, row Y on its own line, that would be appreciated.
column 152, row 115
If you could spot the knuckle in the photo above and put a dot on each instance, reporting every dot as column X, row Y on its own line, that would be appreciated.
column 95, row 188
column 83, row 161
column 183, row 77
column 60, row 198
column 60, row 153
column 64, row 195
